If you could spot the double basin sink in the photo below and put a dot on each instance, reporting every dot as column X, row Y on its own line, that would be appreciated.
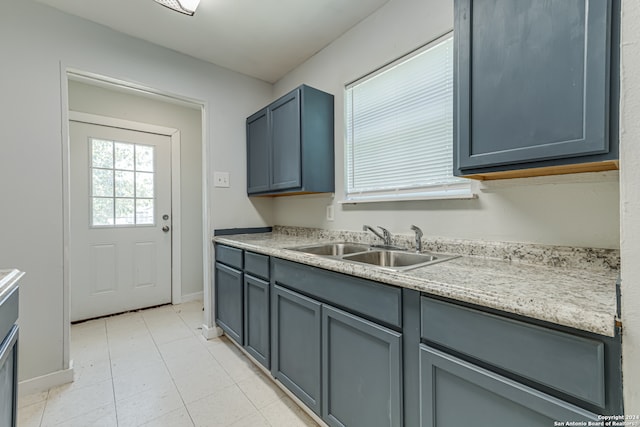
column 385, row 257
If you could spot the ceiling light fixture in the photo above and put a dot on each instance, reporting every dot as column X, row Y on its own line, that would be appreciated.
column 188, row 7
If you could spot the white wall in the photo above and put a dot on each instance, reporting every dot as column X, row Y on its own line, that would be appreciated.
column 570, row 210
column 34, row 41
column 630, row 203
column 92, row 99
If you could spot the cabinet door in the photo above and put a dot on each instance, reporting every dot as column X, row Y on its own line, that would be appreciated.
column 295, row 344
column 531, row 80
column 9, row 379
column 256, row 318
column 285, row 142
column 457, row 393
column 361, row 372
column 229, row 301
column 258, row 149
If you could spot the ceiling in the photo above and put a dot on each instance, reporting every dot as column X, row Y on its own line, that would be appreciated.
column 261, row 38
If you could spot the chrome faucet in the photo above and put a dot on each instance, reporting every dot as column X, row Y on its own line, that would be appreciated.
column 418, row 232
column 385, row 236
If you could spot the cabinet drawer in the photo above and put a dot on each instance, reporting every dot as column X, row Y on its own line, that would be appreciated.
column 256, row 265
column 230, row 256
column 569, row 364
column 371, row 299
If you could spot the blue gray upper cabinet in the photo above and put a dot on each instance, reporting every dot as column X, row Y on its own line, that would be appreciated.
column 535, row 84
column 290, row 145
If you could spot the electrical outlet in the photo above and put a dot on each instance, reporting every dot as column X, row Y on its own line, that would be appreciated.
column 330, row 213
column 221, row 179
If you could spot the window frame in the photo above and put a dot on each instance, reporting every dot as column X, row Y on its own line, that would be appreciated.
column 114, row 197
column 460, row 188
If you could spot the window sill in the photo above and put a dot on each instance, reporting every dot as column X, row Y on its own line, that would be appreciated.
column 356, row 199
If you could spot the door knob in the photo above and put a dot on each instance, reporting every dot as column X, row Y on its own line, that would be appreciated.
column 165, row 228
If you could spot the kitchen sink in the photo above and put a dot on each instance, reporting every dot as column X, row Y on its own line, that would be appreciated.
column 333, row 249
column 397, row 260
column 388, row 259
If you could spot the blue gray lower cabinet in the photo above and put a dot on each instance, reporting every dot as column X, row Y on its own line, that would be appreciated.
column 256, row 319
column 457, row 393
column 9, row 359
column 361, row 353
column 361, row 372
column 8, row 379
column 228, row 301
column 296, row 340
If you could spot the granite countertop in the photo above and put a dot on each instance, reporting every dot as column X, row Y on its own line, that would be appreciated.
column 573, row 296
column 8, row 281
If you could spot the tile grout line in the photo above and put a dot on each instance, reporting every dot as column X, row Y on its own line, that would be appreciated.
column 164, row 362
column 46, row 401
column 235, row 382
column 113, row 387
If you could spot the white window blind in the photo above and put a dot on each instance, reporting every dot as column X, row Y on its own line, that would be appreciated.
column 399, row 125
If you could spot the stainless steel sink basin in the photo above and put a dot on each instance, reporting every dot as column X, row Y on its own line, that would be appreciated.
column 337, row 249
column 388, row 258
column 397, row 260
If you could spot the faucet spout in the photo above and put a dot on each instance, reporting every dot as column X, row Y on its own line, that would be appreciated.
column 374, row 231
column 419, row 235
column 387, row 236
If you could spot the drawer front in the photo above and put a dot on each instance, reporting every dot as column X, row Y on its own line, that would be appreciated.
column 256, row 265
column 370, row 299
column 230, row 256
column 569, row 364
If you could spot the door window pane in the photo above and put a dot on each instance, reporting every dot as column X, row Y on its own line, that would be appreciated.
column 102, row 153
column 102, row 211
column 144, row 158
column 125, row 184
column 125, row 212
column 122, row 184
column 144, row 184
column 102, row 183
column 144, row 211
column 124, row 155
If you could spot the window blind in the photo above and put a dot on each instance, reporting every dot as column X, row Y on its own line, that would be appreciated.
column 399, row 128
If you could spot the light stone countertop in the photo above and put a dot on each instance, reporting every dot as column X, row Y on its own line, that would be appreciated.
column 579, row 298
column 8, row 281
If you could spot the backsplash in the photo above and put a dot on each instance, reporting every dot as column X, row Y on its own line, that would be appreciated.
column 554, row 256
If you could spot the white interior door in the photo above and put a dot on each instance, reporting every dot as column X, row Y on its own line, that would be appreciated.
column 120, row 234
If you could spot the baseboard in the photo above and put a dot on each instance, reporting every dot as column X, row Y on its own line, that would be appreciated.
column 196, row 296
column 210, row 332
column 45, row 382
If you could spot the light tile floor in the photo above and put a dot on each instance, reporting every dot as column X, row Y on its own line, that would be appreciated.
column 154, row 368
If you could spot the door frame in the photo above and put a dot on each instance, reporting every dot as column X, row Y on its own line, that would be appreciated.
column 176, row 232
column 209, row 330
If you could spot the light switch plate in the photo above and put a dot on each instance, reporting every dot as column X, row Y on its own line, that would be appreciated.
column 221, row 179
column 329, row 212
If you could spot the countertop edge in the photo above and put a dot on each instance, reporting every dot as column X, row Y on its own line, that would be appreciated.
column 9, row 282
